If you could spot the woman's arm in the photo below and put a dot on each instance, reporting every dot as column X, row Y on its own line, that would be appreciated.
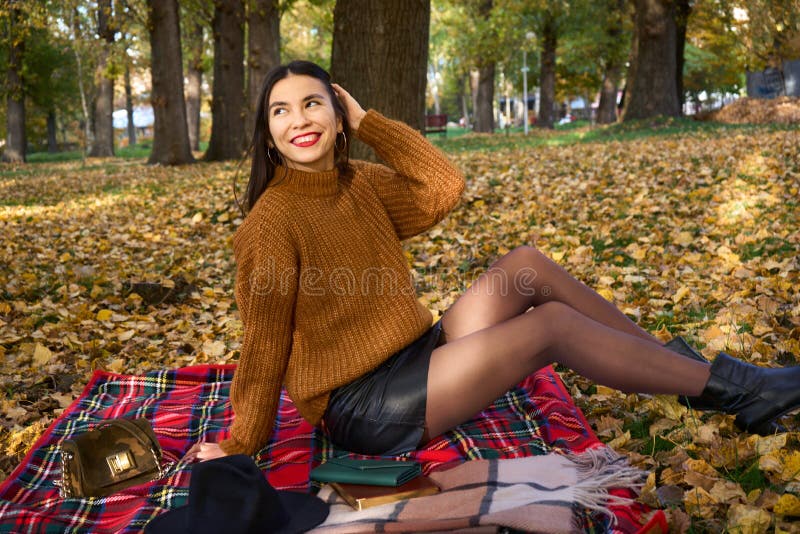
column 421, row 186
column 266, row 287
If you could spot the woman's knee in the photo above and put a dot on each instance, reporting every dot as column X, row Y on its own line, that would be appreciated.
column 525, row 255
column 561, row 319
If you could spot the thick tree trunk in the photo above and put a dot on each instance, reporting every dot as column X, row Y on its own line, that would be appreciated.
column 16, row 141
column 651, row 82
column 683, row 8
column 380, row 55
column 52, row 142
column 547, row 75
column 103, row 145
column 129, row 107
column 263, row 53
column 607, row 108
column 171, row 138
column 484, row 113
column 194, row 84
column 227, row 109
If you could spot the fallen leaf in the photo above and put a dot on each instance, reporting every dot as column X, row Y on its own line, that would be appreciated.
column 746, row 518
column 41, row 355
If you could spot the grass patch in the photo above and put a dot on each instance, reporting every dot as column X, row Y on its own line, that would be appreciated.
column 771, row 246
column 583, row 132
column 749, row 477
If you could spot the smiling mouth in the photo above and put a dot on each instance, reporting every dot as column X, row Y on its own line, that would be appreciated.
column 306, row 140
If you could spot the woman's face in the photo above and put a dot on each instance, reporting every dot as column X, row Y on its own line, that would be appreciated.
column 303, row 123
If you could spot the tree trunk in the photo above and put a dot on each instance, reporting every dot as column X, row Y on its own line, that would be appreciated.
column 651, row 82
column 263, row 53
column 194, row 84
column 88, row 139
column 484, row 113
column 227, row 107
column 547, row 75
column 103, row 145
column 52, row 142
column 462, row 97
column 15, row 97
column 129, row 107
column 683, row 8
column 170, row 137
column 607, row 108
column 380, row 55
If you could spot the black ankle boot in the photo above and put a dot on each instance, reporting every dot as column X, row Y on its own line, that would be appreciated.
column 680, row 346
column 757, row 395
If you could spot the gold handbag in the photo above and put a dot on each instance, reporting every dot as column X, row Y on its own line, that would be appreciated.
column 117, row 454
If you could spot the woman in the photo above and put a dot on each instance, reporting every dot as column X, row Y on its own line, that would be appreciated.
column 329, row 310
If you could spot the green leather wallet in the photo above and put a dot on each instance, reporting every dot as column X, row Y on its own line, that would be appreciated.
column 371, row 472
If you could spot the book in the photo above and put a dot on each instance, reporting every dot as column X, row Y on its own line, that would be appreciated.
column 361, row 496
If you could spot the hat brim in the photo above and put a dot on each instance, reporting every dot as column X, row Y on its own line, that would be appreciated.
column 169, row 522
column 306, row 511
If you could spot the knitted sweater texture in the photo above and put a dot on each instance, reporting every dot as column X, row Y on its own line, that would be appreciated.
column 322, row 285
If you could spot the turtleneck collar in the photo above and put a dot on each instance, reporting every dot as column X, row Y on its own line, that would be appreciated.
column 315, row 184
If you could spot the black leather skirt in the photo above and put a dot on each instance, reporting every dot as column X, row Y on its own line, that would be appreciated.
column 383, row 411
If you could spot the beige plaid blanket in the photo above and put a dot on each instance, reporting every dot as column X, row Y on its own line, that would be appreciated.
column 535, row 494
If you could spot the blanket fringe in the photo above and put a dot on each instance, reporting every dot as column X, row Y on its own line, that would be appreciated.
column 601, row 469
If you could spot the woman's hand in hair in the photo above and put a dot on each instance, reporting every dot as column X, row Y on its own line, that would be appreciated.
column 354, row 110
column 204, row 451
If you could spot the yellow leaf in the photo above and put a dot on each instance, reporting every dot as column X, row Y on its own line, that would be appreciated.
column 767, row 444
column 788, row 504
column 41, row 354
column 791, row 466
column 669, row 407
column 727, row 491
column 699, row 502
column 197, row 217
column 125, row 336
column 214, row 349
column 680, row 293
column 606, row 294
column 65, row 257
column 685, row 239
column 746, row 518
column 117, row 365
column 620, row 440
column 104, row 315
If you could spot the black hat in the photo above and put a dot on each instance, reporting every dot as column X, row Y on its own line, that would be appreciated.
column 231, row 495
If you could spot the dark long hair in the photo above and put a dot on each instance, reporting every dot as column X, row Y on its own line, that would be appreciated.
column 262, row 168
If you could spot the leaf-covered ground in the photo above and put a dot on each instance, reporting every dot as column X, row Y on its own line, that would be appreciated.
column 121, row 266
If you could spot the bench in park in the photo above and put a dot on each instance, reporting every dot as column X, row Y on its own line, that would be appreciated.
column 436, row 124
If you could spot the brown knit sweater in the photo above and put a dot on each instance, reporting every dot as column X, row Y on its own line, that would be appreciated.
column 323, row 286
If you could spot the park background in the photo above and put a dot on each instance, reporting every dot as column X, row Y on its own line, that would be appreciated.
column 659, row 165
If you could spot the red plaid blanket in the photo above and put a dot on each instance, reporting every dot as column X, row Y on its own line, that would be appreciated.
column 191, row 404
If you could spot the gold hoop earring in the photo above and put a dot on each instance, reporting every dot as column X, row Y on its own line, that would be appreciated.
column 344, row 143
column 269, row 156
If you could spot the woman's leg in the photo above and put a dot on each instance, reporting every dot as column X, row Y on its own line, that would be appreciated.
column 523, row 278
column 469, row 372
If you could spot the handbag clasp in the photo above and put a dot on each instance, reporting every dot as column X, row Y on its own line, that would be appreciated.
column 120, row 462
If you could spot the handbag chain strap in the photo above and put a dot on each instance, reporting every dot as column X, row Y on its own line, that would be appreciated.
column 65, row 485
